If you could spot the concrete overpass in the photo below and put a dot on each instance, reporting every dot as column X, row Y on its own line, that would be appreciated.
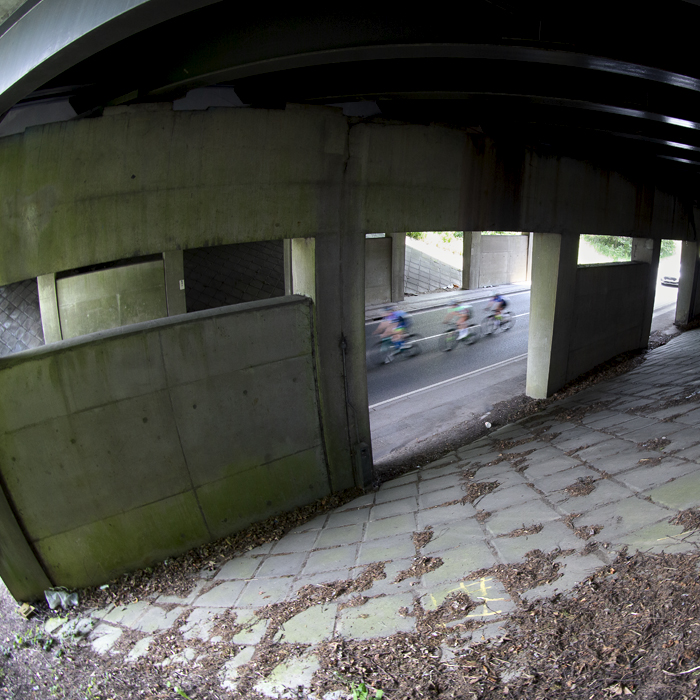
column 136, row 130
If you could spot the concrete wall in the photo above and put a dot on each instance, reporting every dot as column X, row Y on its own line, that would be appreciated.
column 144, row 179
column 608, row 315
column 125, row 447
column 503, row 260
column 378, row 270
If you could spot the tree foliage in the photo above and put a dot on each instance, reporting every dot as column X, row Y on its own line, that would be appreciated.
column 620, row 247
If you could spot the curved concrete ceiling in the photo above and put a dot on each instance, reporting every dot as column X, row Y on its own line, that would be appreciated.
column 605, row 76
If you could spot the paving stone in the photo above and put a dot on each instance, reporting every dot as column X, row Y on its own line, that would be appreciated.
column 556, row 482
column 575, row 570
column 127, row 615
column 643, row 478
column 296, row 542
column 387, row 510
column 450, row 535
column 603, row 450
column 614, row 464
column 440, row 483
column 582, row 440
column 231, row 668
column 390, row 526
column 156, row 619
column 661, row 537
column 396, row 493
column 139, row 650
column 348, row 517
column 554, row 535
column 651, row 432
column 361, row 502
column 524, row 515
column 682, row 493
column 632, row 426
column 625, row 516
column 488, row 592
column 312, row 626
column 459, row 563
column 411, row 477
column 282, row 565
column 473, row 451
column 606, row 491
column 552, row 466
column 444, row 514
column 378, row 617
column 238, row 568
column 453, row 470
column 690, row 418
column 506, row 497
column 315, row 524
column 386, row 549
column 259, row 592
column 438, row 498
column 323, row 577
column 503, row 473
column 613, row 418
column 336, row 536
column 691, row 453
column 445, row 461
column 330, row 559
column 103, row 638
column 253, row 628
column 388, row 585
column 199, row 623
column 682, row 439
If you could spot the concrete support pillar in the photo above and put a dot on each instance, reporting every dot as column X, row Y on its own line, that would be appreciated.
column 398, row 265
column 552, row 300
column 300, row 267
column 330, row 270
column 648, row 251
column 688, row 304
column 174, row 266
column 48, row 307
column 530, row 238
column 471, row 255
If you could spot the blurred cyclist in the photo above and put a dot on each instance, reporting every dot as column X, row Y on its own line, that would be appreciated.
column 460, row 315
column 497, row 305
column 395, row 325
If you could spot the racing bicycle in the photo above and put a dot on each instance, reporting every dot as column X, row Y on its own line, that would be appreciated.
column 381, row 353
column 449, row 339
column 492, row 323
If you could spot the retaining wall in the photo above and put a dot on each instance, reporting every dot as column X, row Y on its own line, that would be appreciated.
column 124, row 447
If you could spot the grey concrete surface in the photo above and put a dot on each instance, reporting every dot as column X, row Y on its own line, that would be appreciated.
column 631, row 504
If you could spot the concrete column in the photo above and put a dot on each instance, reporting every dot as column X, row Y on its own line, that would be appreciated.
column 19, row 568
column 174, row 266
column 342, row 376
column 471, row 255
column 300, row 267
column 48, row 306
column 648, row 251
column 398, row 265
column 552, row 300
column 530, row 238
column 688, row 304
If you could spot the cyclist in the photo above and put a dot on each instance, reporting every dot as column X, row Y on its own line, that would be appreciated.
column 395, row 325
column 460, row 315
column 497, row 305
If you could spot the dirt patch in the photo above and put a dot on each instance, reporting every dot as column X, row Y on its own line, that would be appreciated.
column 537, row 569
column 476, row 491
column 420, row 539
column 650, row 461
column 688, row 519
column 654, row 444
column 524, row 531
column 483, row 515
column 581, row 487
column 585, row 532
column 420, row 566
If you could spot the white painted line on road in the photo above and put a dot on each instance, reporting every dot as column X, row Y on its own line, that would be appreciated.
column 449, row 381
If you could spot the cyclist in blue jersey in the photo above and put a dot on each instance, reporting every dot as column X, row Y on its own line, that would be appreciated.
column 394, row 325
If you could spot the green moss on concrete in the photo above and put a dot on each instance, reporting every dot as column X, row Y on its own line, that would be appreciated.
column 233, row 503
column 99, row 551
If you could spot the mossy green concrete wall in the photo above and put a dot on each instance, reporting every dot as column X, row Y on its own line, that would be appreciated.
column 145, row 179
column 128, row 446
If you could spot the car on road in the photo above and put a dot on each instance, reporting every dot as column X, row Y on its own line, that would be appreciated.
column 670, row 280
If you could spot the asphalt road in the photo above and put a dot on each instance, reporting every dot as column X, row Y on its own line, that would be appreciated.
column 406, row 374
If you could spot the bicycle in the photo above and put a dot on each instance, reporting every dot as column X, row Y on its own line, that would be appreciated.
column 491, row 324
column 449, row 339
column 381, row 354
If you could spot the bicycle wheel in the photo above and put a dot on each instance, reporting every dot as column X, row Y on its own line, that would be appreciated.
column 488, row 325
column 508, row 321
column 413, row 346
column 380, row 351
column 473, row 334
column 448, row 340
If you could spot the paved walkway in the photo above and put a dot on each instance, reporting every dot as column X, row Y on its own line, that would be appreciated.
column 630, row 448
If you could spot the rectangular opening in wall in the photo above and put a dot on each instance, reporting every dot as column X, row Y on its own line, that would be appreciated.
column 20, row 317
column 231, row 274
column 433, row 262
column 599, row 250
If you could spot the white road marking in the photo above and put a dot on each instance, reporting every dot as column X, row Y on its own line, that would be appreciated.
column 449, row 381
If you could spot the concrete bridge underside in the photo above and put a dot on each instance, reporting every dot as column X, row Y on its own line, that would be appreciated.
column 144, row 180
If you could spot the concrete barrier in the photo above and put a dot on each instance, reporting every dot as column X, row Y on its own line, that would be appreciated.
column 124, row 447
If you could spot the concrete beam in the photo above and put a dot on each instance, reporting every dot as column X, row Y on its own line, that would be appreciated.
column 174, row 266
column 48, row 307
column 552, row 304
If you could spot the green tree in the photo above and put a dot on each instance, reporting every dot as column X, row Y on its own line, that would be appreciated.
column 620, row 247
